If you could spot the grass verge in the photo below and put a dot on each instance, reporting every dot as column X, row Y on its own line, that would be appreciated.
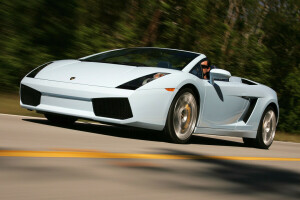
column 287, row 137
column 10, row 104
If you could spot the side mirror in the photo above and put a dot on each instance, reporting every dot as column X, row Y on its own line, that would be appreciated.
column 218, row 74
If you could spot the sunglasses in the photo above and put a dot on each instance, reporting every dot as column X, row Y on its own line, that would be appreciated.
column 205, row 66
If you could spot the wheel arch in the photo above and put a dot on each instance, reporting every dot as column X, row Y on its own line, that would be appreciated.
column 195, row 90
column 260, row 109
column 276, row 109
column 184, row 86
column 198, row 97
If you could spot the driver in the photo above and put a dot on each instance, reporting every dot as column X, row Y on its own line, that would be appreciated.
column 206, row 67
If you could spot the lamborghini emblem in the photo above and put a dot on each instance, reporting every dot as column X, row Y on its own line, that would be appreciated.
column 72, row 78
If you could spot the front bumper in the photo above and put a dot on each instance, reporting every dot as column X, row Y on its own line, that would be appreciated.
column 149, row 107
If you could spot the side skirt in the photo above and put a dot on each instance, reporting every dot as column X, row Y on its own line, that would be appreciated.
column 224, row 132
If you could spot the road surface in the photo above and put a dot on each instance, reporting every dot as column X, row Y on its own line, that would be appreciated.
column 39, row 160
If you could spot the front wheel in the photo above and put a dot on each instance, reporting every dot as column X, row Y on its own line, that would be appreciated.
column 182, row 117
column 266, row 130
column 60, row 119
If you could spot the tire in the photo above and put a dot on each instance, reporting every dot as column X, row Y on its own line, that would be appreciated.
column 60, row 119
column 249, row 142
column 266, row 130
column 182, row 117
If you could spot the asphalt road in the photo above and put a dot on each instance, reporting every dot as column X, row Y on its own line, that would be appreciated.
column 39, row 160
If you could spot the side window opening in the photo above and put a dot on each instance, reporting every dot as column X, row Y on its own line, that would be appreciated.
column 197, row 70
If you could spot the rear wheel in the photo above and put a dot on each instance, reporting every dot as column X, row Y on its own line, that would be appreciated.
column 182, row 117
column 266, row 130
column 60, row 119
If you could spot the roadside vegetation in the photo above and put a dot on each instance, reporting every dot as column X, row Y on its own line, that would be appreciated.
column 257, row 39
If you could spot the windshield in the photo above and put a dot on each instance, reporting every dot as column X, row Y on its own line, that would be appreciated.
column 146, row 57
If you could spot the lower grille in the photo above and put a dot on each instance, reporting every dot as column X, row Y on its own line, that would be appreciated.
column 30, row 96
column 118, row 108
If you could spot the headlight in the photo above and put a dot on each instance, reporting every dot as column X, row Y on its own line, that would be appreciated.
column 136, row 83
column 34, row 72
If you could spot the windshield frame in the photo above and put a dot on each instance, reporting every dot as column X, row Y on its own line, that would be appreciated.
column 187, row 58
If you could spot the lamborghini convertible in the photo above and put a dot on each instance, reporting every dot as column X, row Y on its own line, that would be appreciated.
column 153, row 88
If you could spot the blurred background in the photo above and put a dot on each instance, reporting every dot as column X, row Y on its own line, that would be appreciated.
column 255, row 39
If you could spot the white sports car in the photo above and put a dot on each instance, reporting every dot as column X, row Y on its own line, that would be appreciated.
column 153, row 88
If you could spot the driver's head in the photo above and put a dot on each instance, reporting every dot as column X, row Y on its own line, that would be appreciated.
column 205, row 68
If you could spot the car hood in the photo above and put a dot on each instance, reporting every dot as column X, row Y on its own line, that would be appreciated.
column 93, row 73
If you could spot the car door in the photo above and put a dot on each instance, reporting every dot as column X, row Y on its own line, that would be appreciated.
column 223, row 104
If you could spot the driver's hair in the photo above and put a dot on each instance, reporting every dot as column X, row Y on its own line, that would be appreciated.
column 208, row 61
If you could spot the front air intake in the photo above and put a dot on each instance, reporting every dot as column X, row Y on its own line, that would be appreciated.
column 118, row 108
column 30, row 96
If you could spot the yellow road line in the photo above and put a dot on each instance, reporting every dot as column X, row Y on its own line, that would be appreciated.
column 89, row 154
column 134, row 164
column 74, row 150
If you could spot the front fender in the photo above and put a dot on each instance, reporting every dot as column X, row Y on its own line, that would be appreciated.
column 177, row 81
